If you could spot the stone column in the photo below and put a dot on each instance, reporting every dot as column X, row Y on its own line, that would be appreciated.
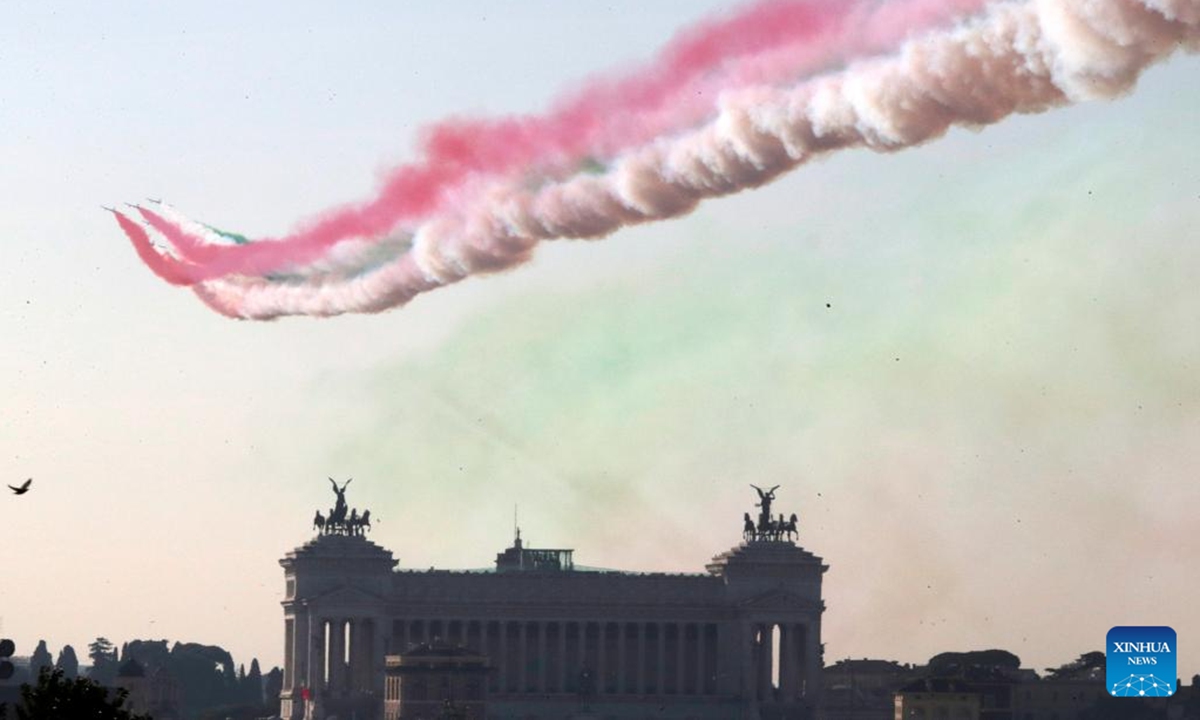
column 523, row 658
column 749, row 661
column 601, row 671
column 320, row 634
column 639, row 670
column 487, row 650
column 787, row 662
column 290, row 660
column 583, row 628
column 337, row 655
column 563, row 663
column 766, row 663
column 622, row 681
column 353, row 640
column 700, row 656
column 680, row 656
column 381, row 640
column 812, row 664
column 312, row 653
column 661, row 685
column 504, row 670
column 542, row 657
column 303, row 654
column 362, row 654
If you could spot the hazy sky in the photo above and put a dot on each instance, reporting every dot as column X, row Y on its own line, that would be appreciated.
column 971, row 366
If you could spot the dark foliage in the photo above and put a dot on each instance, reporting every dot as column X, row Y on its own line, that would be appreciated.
column 41, row 658
column 1087, row 664
column 152, row 654
column 104, row 661
column 58, row 697
column 272, row 687
column 252, row 686
column 68, row 662
column 959, row 663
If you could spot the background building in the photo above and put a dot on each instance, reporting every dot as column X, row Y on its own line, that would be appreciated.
column 938, row 699
column 429, row 679
column 154, row 692
column 863, row 689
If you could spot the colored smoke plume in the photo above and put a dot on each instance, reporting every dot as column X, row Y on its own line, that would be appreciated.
column 729, row 105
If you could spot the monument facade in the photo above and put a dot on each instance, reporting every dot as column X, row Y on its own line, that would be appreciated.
column 740, row 640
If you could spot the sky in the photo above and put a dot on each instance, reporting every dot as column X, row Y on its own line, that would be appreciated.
column 969, row 365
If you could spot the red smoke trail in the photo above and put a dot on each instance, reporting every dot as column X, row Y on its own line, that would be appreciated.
column 1019, row 57
column 607, row 117
column 165, row 267
column 188, row 245
column 456, row 148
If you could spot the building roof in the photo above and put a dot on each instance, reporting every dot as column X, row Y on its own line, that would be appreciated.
column 758, row 555
column 340, row 548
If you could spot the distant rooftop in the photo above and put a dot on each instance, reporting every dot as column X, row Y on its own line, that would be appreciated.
column 519, row 558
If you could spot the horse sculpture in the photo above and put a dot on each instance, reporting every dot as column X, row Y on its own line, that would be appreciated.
column 769, row 529
column 790, row 527
column 337, row 523
column 334, row 525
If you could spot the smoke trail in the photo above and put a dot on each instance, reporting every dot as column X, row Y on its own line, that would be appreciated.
column 1019, row 57
column 767, row 42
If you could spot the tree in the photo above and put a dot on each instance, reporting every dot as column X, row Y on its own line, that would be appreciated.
column 272, row 687
column 55, row 697
column 104, row 662
column 253, row 685
column 205, row 674
column 67, row 662
column 952, row 664
column 1087, row 665
column 41, row 658
column 152, row 654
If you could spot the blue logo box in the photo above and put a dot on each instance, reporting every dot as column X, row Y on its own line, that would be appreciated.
column 1140, row 661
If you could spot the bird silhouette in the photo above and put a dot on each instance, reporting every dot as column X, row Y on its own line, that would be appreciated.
column 23, row 489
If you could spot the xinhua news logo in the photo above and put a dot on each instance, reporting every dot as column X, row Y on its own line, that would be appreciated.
column 1140, row 661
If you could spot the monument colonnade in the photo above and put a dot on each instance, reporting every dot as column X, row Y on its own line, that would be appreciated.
column 332, row 653
column 340, row 653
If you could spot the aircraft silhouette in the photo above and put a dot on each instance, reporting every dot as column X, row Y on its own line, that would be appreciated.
column 23, row 489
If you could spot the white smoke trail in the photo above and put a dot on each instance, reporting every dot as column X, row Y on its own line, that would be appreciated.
column 1020, row 57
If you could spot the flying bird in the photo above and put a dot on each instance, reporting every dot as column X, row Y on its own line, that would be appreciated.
column 23, row 489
